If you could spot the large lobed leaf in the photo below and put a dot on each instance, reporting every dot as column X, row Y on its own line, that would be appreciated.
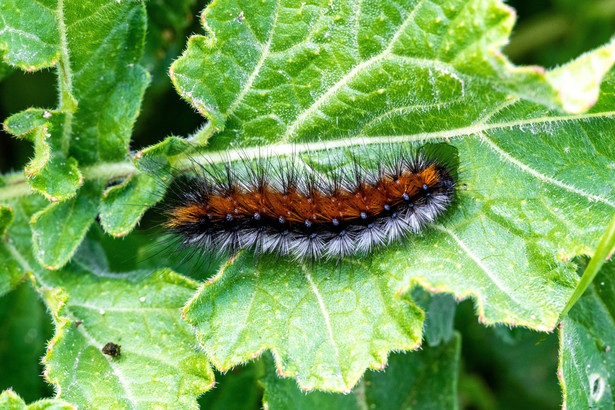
column 353, row 74
column 325, row 330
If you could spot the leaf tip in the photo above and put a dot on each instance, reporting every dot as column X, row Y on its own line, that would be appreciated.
column 544, row 328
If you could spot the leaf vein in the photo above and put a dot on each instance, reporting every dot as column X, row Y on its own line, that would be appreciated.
column 325, row 314
column 479, row 263
column 257, row 67
column 542, row 177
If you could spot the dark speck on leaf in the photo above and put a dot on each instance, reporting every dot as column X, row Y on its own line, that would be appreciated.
column 112, row 349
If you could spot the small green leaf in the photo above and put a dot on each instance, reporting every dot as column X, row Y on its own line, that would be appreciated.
column 6, row 217
column 9, row 400
column 29, row 46
column 578, row 82
column 50, row 171
column 325, row 325
column 123, row 205
column 587, row 346
column 58, row 229
column 162, row 156
column 11, row 273
column 417, row 380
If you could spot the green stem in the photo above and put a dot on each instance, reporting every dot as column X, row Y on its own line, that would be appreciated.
column 17, row 186
column 605, row 247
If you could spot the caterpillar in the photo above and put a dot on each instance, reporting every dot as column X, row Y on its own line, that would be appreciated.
column 284, row 207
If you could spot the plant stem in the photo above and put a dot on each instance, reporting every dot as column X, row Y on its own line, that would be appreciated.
column 17, row 186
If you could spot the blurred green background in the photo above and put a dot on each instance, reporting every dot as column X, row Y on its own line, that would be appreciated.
column 501, row 368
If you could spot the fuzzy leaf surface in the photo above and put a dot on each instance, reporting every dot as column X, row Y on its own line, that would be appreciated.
column 160, row 363
column 123, row 205
column 10, row 271
column 58, row 229
column 29, row 46
column 587, row 346
column 298, row 315
column 536, row 168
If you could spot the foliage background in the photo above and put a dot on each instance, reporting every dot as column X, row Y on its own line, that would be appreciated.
column 501, row 367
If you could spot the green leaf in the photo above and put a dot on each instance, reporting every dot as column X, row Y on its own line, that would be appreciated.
column 123, row 205
column 270, row 72
column 58, row 229
column 587, row 346
column 139, row 310
column 536, row 184
column 50, row 171
column 29, row 46
column 324, row 325
column 9, row 400
column 159, row 364
column 417, row 380
column 101, row 87
column 11, row 272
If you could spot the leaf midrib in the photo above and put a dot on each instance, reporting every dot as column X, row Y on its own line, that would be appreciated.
column 114, row 170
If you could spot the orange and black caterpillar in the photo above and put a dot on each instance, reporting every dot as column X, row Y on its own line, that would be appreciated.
column 278, row 207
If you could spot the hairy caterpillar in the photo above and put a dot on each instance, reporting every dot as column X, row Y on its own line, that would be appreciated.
column 283, row 207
